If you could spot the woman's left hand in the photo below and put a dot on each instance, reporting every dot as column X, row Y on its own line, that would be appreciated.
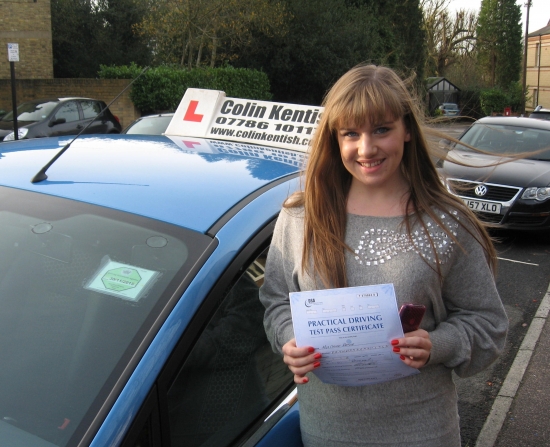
column 414, row 349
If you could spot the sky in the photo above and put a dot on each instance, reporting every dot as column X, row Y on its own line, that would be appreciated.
column 539, row 13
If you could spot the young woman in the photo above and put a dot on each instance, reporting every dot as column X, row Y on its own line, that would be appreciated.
column 374, row 211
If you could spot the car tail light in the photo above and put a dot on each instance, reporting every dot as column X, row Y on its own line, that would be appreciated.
column 117, row 118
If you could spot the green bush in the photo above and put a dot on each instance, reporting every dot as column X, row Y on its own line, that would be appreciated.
column 119, row 71
column 161, row 88
column 515, row 91
column 495, row 100
column 470, row 103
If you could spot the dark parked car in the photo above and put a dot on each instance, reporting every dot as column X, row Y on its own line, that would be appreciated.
column 150, row 125
column 57, row 117
column 540, row 113
column 515, row 194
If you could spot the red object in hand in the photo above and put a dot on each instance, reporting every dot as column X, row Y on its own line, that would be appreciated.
column 411, row 316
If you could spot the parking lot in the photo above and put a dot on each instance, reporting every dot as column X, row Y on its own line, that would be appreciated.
column 522, row 280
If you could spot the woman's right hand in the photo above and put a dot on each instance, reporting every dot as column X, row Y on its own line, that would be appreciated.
column 300, row 360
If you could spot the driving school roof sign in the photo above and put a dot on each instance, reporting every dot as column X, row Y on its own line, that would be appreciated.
column 210, row 114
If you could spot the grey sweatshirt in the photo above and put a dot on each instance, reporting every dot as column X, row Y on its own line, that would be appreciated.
column 464, row 316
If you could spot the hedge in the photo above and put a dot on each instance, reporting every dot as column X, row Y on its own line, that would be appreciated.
column 496, row 99
column 161, row 88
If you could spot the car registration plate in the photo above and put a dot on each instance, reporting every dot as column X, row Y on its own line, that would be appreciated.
column 485, row 207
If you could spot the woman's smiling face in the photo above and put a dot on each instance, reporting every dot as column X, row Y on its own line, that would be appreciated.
column 372, row 153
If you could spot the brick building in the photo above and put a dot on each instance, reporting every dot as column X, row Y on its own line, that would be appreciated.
column 27, row 23
column 538, row 68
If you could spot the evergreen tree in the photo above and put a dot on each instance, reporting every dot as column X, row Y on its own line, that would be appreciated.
column 73, row 33
column 405, row 18
column 326, row 38
column 90, row 33
column 118, row 42
column 499, row 42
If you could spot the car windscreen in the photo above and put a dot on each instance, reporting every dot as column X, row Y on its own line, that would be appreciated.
column 32, row 111
column 150, row 126
column 80, row 288
column 540, row 115
column 504, row 139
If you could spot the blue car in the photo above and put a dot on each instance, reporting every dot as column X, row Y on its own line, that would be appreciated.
column 129, row 284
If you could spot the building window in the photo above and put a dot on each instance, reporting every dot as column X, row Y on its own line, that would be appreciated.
column 537, row 54
column 535, row 97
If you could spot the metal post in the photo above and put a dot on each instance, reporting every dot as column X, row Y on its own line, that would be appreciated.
column 525, row 46
column 14, row 102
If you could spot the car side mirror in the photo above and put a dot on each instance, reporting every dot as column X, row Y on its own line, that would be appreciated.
column 57, row 121
column 445, row 144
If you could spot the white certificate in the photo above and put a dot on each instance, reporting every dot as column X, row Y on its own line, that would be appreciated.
column 352, row 328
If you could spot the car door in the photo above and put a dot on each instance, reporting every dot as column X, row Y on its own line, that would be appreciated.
column 66, row 120
column 90, row 112
column 223, row 379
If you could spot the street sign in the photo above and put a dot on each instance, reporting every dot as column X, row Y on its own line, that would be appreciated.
column 13, row 52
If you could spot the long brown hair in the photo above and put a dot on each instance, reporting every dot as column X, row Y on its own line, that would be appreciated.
column 367, row 94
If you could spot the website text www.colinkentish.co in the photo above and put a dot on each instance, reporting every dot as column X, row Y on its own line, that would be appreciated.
column 260, row 136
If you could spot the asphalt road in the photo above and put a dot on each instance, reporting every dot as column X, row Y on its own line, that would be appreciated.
column 522, row 280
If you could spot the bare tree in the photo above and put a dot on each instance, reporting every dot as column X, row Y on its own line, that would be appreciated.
column 197, row 32
column 449, row 38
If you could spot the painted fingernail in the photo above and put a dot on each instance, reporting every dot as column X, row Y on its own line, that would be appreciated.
column 305, row 380
column 395, row 342
column 402, row 357
column 317, row 356
column 310, row 349
column 396, row 349
column 317, row 364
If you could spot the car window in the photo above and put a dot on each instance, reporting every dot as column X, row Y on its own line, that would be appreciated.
column 68, row 111
column 232, row 375
column 150, row 125
column 540, row 115
column 80, row 286
column 501, row 139
column 90, row 109
column 32, row 111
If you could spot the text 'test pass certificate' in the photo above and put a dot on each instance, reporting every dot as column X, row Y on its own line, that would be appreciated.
column 352, row 328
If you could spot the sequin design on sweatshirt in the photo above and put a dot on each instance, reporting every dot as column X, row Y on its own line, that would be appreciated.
column 378, row 247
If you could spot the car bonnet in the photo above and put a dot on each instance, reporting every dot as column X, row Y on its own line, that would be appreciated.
column 522, row 172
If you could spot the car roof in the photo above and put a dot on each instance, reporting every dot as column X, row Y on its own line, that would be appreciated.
column 67, row 98
column 515, row 121
column 156, row 115
column 182, row 181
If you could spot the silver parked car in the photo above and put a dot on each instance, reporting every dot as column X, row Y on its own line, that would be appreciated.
column 449, row 109
column 149, row 125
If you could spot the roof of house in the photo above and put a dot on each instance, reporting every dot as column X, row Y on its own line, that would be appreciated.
column 541, row 32
column 432, row 82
